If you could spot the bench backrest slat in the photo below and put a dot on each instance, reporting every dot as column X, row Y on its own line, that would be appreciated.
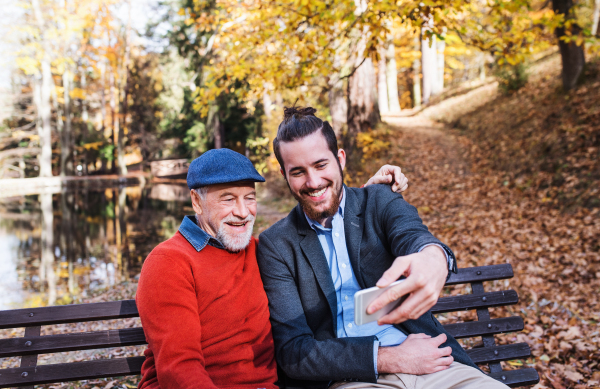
column 486, row 327
column 499, row 353
column 71, row 342
column 470, row 301
column 516, row 378
column 481, row 273
column 44, row 374
column 68, row 314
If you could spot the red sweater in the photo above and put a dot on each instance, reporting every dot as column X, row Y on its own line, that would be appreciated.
column 206, row 319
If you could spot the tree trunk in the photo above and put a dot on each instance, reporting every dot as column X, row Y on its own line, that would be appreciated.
column 438, row 86
column 338, row 105
column 267, row 102
column 119, row 133
column 213, row 124
column 363, row 114
column 596, row 18
column 482, row 67
column 573, row 56
column 416, row 77
column 104, row 167
column 43, row 101
column 124, row 73
column 392, row 78
column 65, row 147
column 382, row 85
column 428, row 64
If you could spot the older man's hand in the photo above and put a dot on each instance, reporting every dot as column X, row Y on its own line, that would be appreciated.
column 389, row 174
column 425, row 273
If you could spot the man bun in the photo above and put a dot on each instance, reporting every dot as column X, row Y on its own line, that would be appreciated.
column 289, row 112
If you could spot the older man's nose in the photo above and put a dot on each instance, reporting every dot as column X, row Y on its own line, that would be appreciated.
column 241, row 209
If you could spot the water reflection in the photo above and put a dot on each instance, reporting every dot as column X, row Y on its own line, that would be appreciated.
column 57, row 247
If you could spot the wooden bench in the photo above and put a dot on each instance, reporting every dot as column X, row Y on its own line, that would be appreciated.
column 32, row 344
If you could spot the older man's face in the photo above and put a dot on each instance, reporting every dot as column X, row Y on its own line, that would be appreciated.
column 228, row 213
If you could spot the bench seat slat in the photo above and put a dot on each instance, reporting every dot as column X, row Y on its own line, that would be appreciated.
column 485, row 327
column 68, row 314
column 516, row 378
column 71, row 342
column 75, row 371
column 499, row 353
column 486, row 273
column 469, row 301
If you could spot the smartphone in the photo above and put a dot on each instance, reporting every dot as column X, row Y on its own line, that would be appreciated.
column 363, row 298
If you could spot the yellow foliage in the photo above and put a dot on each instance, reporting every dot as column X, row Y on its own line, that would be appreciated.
column 371, row 144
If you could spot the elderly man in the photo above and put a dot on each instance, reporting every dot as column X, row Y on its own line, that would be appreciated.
column 337, row 241
column 200, row 296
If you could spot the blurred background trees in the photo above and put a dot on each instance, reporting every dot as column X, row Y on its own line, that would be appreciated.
column 91, row 94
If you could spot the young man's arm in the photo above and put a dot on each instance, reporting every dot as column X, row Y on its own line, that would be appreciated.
column 298, row 353
column 168, row 308
column 421, row 257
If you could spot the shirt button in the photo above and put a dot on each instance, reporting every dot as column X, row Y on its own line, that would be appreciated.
column 344, row 265
column 346, row 298
column 349, row 325
column 337, row 234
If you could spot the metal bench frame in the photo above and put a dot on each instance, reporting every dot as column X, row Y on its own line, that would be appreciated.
column 32, row 344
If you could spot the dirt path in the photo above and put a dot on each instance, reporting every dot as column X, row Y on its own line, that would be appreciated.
column 554, row 255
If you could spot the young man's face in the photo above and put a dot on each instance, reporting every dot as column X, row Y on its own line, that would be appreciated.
column 314, row 175
column 228, row 213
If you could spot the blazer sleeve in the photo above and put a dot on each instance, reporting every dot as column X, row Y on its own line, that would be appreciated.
column 298, row 353
column 404, row 229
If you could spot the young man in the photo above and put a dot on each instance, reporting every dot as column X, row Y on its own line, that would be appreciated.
column 337, row 241
column 200, row 296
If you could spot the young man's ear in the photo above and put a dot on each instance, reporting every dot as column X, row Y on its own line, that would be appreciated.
column 282, row 172
column 342, row 158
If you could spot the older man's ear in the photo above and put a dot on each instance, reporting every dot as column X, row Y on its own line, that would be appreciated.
column 391, row 175
column 196, row 204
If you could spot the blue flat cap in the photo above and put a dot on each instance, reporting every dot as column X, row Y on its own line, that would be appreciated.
column 220, row 166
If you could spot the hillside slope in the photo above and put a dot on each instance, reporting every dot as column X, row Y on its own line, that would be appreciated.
column 542, row 140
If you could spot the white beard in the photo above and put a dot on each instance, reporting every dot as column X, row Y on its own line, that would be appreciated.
column 235, row 242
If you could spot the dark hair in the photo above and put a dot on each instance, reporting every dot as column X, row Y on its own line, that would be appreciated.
column 299, row 123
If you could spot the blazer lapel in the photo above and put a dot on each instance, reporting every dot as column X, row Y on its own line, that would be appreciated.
column 311, row 247
column 353, row 229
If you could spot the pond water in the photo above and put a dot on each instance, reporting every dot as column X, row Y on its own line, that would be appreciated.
column 56, row 248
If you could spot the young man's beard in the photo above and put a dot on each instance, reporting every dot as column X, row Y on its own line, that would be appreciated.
column 315, row 215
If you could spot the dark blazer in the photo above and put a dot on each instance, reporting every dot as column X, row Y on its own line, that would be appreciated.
column 379, row 226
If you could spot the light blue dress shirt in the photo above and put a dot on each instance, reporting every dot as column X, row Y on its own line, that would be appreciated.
column 333, row 241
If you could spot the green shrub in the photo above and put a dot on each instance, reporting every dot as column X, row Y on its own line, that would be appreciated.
column 512, row 77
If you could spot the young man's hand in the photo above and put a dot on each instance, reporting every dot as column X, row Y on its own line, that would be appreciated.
column 425, row 273
column 418, row 354
column 391, row 175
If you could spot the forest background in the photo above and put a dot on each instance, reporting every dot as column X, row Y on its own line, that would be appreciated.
column 91, row 92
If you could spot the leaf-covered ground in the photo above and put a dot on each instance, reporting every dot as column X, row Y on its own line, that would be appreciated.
column 518, row 182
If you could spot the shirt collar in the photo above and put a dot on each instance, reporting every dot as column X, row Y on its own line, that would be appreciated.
column 313, row 224
column 196, row 236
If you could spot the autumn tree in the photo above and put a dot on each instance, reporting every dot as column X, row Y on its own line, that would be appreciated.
column 570, row 43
